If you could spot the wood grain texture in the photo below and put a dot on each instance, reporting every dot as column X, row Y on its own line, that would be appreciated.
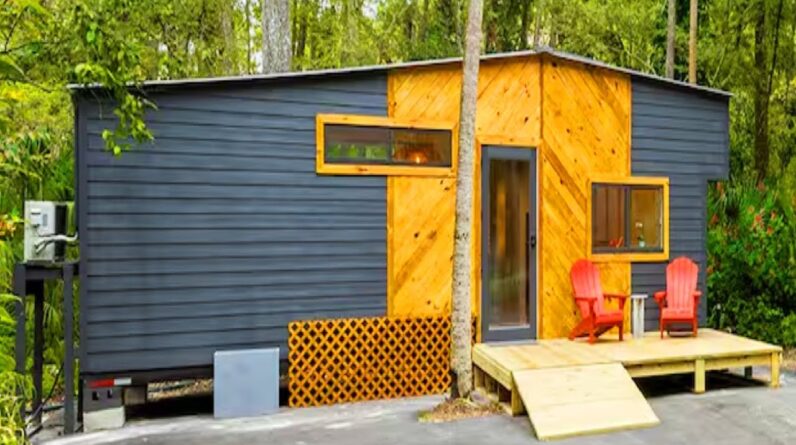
column 579, row 400
column 585, row 132
column 577, row 117
column 421, row 210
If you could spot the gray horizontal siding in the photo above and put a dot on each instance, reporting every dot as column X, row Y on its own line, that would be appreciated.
column 683, row 136
column 218, row 233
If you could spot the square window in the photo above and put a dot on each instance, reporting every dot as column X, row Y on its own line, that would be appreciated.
column 628, row 217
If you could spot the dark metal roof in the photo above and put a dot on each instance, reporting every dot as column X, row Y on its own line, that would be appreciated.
column 172, row 83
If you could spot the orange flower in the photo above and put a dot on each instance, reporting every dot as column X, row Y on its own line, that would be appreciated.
column 714, row 219
column 770, row 230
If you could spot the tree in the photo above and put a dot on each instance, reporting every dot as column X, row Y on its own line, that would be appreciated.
column 671, row 30
column 461, row 331
column 276, row 36
column 692, row 42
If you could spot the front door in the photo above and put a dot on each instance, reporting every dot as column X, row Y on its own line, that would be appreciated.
column 508, row 237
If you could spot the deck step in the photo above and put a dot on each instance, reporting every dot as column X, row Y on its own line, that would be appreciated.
column 579, row 400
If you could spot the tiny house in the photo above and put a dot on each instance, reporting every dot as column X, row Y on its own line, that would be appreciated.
column 270, row 198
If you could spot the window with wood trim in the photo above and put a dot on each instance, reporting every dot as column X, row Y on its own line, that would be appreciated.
column 630, row 217
column 379, row 145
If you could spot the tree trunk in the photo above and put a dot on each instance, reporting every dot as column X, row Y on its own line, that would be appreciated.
column 524, row 25
column 538, row 26
column 692, row 43
column 671, row 27
column 461, row 331
column 248, row 7
column 761, row 94
column 227, row 28
column 276, row 36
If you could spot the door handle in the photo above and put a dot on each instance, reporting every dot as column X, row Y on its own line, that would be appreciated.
column 533, row 241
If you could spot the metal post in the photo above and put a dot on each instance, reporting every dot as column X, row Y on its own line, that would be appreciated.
column 37, row 289
column 637, row 314
column 69, row 359
column 20, row 285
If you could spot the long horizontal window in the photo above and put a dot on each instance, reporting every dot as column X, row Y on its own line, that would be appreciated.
column 379, row 145
column 630, row 217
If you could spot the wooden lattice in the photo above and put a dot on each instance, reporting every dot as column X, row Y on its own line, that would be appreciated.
column 353, row 359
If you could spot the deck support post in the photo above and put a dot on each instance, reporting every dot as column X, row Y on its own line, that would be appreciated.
column 478, row 377
column 775, row 359
column 517, row 406
column 699, row 376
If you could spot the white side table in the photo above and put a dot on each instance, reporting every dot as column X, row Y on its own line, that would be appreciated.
column 637, row 314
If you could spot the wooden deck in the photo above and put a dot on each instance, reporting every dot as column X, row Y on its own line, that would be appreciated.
column 496, row 364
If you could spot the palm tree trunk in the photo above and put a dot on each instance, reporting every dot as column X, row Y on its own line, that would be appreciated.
column 461, row 331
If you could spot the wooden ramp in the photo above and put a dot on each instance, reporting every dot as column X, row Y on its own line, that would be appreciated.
column 578, row 400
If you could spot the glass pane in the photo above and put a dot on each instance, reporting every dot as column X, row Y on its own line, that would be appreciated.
column 430, row 147
column 348, row 143
column 385, row 145
column 509, row 183
column 608, row 216
column 646, row 215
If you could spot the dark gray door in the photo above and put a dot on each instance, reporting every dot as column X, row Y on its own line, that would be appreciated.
column 508, row 250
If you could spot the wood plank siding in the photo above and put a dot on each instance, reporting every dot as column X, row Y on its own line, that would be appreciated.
column 219, row 232
column 684, row 136
column 585, row 132
column 576, row 116
column 421, row 211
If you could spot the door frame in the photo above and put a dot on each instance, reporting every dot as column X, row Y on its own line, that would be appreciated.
column 488, row 151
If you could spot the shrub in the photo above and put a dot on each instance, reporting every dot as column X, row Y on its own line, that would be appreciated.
column 752, row 261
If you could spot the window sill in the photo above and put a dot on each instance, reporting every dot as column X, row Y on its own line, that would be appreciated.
column 630, row 257
column 382, row 170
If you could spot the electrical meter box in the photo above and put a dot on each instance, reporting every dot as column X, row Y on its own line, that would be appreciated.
column 44, row 220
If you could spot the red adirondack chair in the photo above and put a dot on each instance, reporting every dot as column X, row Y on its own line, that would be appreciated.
column 596, row 318
column 679, row 303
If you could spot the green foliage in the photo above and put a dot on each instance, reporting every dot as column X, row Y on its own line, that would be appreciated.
column 45, row 45
column 752, row 261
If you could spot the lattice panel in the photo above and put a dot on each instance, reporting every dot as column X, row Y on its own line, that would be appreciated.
column 353, row 359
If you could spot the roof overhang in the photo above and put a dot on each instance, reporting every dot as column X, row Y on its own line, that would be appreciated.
column 152, row 85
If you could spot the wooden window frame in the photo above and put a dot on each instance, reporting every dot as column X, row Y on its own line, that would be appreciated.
column 330, row 168
column 639, row 256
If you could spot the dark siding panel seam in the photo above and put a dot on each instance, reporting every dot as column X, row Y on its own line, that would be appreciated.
column 685, row 137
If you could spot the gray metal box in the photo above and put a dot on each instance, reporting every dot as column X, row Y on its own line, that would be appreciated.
column 44, row 219
column 245, row 382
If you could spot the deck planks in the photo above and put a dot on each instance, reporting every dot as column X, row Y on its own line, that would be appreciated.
column 534, row 369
